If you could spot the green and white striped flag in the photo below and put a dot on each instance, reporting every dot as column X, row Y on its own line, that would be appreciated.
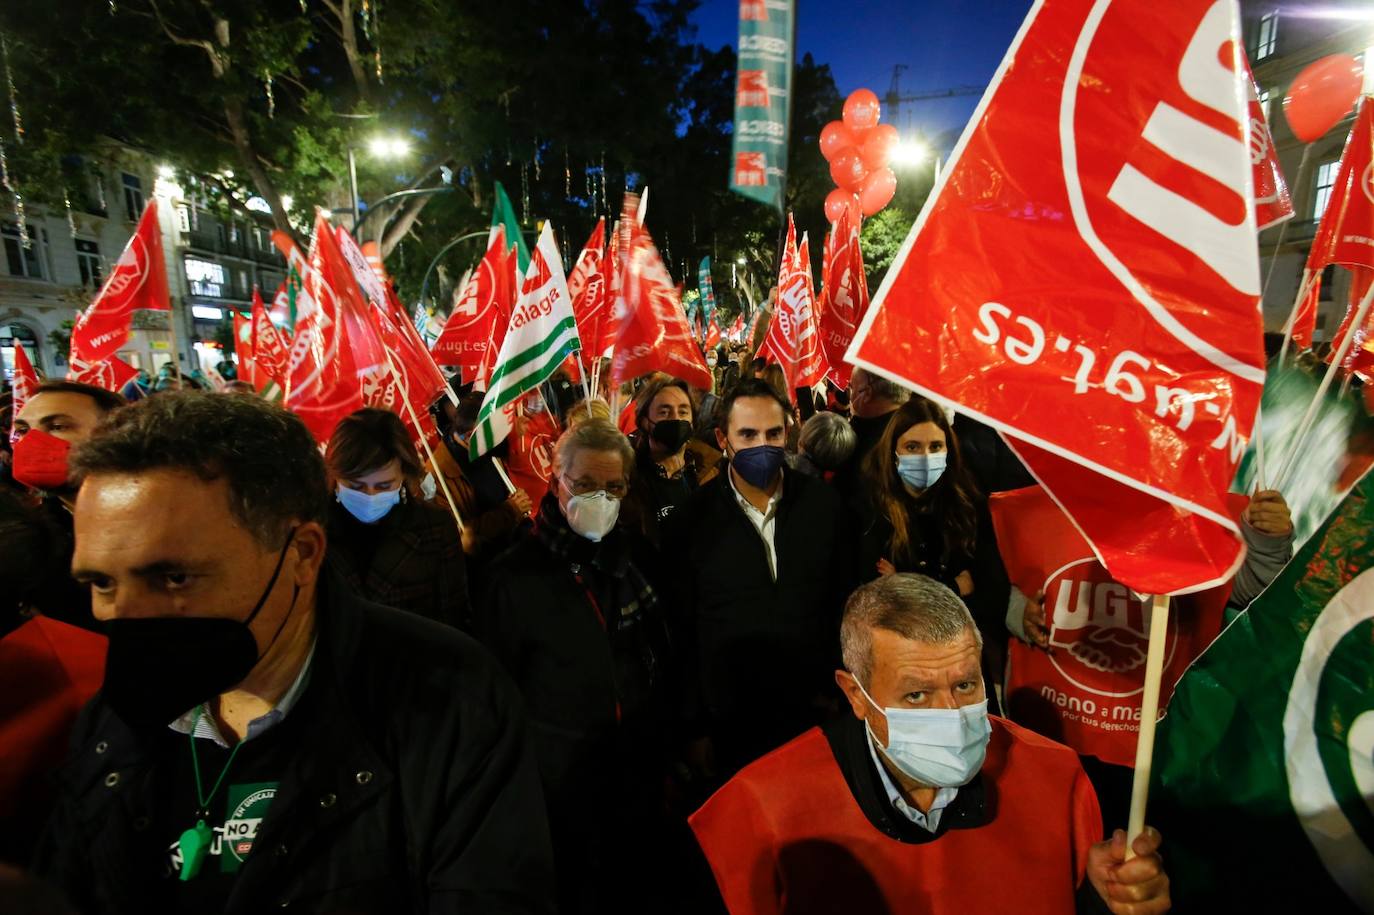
column 1263, row 782
column 541, row 335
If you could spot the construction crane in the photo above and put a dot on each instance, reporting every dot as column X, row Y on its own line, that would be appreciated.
column 895, row 96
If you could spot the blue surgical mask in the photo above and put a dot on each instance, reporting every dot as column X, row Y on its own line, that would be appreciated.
column 936, row 747
column 921, row 471
column 368, row 508
column 758, row 465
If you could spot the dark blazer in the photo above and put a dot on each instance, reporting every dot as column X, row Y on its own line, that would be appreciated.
column 414, row 563
column 410, row 789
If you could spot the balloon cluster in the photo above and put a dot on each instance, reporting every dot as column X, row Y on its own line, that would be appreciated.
column 858, row 149
column 1322, row 95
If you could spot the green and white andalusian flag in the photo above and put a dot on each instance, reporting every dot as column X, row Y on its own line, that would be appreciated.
column 541, row 335
column 503, row 214
column 1264, row 767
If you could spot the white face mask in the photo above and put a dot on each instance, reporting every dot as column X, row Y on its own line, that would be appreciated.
column 939, row 748
column 593, row 514
column 368, row 508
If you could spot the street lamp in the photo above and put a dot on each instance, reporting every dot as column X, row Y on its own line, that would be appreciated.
column 909, row 154
column 380, row 148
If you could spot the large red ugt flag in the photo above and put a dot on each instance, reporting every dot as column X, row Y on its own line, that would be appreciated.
column 1086, row 279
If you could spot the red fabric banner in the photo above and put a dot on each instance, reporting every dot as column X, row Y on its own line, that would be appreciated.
column 270, row 353
column 712, row 334
column 588, row 287
column 1085, row 278
column 793, row 339
column 112, row 374
column 22, row 384
column 844, row 296
column 245, row 370
column 481, row 313
column 653, row 332
column 139, row 281
column 1272, row 202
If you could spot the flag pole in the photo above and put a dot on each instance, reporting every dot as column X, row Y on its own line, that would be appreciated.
column 1149, row 713
column 424, row 441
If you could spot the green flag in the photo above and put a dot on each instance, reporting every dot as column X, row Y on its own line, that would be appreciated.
column 503, row 214
column 1264, row 766
column 763, row 86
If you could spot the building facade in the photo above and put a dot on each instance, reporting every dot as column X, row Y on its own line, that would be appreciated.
column 213, row 262
column 1281, row 39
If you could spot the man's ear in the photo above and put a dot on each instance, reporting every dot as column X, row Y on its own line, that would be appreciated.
column 857, row 703
column 308, row 544
column 721, row 442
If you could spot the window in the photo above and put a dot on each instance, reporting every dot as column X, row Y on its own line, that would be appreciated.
column 1326, row 181
column 88, row 260
column 1266, row 94
column 206, row 278
column 1266, row 36
column 27, row 262
column 223, row 237
column 234, row 232
column 133, row 196
column 1328, row 280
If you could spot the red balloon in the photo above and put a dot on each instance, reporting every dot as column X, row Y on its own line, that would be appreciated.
column 838, row 201
column 877, row 191
column 1322, row 94
column 835, row 137
column 861, row 110
column 877, row 146
column 847, row 169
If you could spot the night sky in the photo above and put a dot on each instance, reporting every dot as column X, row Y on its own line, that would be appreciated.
column 944, row 43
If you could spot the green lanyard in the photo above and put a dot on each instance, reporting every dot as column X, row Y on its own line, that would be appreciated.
column 196, row 841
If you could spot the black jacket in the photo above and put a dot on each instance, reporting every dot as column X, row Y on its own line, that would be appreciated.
column 764, row 651
column 411, row 790
column 412, row 559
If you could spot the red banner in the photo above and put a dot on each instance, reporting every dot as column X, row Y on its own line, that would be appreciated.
column 844, row 297
column 245, row 370
column 712, row 334
column 1086, row 277
column 22, row 384
column 1272, row 202
column 653, row 331
column 270, row 353
column 793, row 338
column 482, row 310
column 589, row 291
column 139, row 281
column 112, row 374
column 1085, row 691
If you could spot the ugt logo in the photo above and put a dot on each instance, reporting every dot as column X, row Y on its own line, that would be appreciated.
column 752, row 91
column 751, row 169
column 1099, row 629
column 1156, row 164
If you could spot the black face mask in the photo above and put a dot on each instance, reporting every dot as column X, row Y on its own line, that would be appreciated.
column 672, row 433
column 159, row 668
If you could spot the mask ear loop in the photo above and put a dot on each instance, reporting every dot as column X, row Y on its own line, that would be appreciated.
column 272, row 583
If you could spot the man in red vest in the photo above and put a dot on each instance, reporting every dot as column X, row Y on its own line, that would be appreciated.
column 921, row 802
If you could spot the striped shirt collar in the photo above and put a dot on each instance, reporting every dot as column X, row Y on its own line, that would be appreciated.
column 202, row 724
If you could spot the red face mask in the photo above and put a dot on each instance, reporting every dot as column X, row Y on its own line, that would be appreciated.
column 40, row 460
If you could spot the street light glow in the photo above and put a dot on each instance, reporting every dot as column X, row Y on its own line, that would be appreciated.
column 909, row 154
column 741, row 261
column 388, row 147
column 166, row 172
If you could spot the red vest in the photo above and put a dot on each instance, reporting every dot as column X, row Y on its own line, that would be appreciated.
column 786, row 835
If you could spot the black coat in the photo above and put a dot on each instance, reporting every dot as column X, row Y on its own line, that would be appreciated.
column 764, row 652
column 410, row 790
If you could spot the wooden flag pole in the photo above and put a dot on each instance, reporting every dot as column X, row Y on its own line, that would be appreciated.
column 1149, row 713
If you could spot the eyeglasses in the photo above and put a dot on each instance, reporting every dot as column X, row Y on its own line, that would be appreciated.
column 616, row 489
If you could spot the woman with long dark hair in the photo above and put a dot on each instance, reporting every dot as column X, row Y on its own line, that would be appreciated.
column 925, row 514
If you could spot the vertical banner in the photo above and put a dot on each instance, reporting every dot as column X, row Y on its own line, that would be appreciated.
column 758, row 156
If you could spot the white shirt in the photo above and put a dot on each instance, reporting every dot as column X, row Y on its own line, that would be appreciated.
column 763, row 521
column 930, row 821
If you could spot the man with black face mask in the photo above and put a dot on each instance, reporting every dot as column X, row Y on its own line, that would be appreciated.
column 263, row 739
column 767, row 561
column 670, row 464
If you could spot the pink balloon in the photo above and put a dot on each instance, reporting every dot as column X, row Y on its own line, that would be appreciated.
column 877, row 191
column 847, row 169
column 835, row 137
column 1322, row 94
column 861, row 110
column 878, row 145
column 838, row 201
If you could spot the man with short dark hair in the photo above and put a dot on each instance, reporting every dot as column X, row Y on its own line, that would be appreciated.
column 57, row 417
column 920, row 801
column 765, row 561
column 264, row 739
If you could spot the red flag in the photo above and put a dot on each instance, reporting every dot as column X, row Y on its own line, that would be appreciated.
column 618, row 245
column 427, row 379
column 712, row 334
column 482, row 310
column 1272, row 203
column 22, row 385
column 112, row 374
column 1086, row 279
column 243, row 346
column 373, row 254
column 653, row 332
column 270, row 352
column 1086, row 690
column 793, row 338
column 844, row 296
column 589, row 291
column 409, row 378
column 736, row 331
column 323, row 383
column 139, row 281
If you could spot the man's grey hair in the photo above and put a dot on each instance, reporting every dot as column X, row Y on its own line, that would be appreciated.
column 883, row 388
column 828, row 440
column 593, row 435
column 913, row 606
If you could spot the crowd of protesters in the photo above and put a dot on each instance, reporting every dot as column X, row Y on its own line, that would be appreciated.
column 737, row 648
